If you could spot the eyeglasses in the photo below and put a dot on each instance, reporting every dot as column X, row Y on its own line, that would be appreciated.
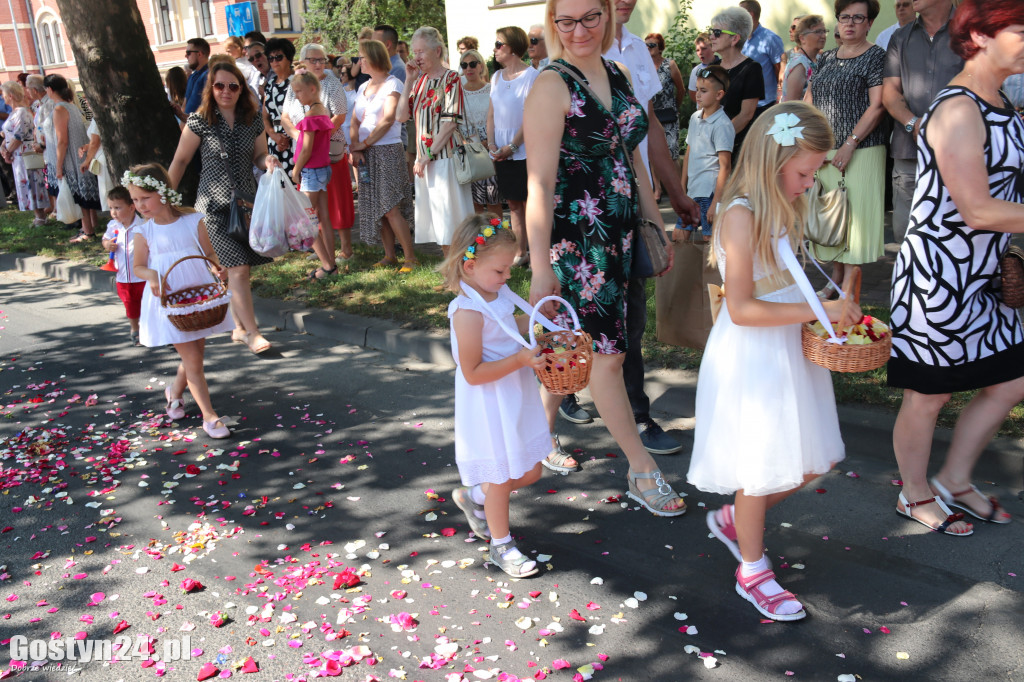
column 535, row 40
column 254, row 57
column 275, row 57
column 819, row 32
column 188, row 52
column 569, row 25
column 469, row 65
column 793, row 27
column 708, row 74
column 651, row 46
column 317, row 60
column 233, row 87
column 498, row 44
column 717, row 32
column 851, row 18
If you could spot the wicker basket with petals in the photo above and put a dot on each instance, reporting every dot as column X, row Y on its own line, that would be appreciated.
column 845, row 357
column 212, row 298
column 568, row 354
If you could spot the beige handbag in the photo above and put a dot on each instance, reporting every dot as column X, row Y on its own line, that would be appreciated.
column 33, row 161
column 472, row 161
column 828, row 214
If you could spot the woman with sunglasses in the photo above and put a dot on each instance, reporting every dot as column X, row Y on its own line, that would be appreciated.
column 811, row 36
column 583, row 206
column 340, row 207
column 509, row 88
column 729, row 30
column 666, row 102
column 280, row 52
column 847, row 88
column 226, row 122
column 477, row 89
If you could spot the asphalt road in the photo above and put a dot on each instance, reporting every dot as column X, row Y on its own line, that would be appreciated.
column 337, row 460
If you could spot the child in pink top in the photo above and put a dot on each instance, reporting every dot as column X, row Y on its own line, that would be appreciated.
column 312, row 169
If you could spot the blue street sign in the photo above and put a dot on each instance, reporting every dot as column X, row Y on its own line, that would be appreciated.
column 241, row 18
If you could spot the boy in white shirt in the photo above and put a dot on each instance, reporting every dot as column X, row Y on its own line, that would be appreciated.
column 119, row 239
column 709, row 142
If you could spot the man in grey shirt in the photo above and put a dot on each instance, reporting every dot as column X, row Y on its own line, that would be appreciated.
column 918, row 64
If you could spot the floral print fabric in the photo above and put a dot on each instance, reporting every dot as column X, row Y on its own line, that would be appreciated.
column 434, row 102
column 596, row 207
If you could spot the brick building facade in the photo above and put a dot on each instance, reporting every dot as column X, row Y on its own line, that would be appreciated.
column 34, row 39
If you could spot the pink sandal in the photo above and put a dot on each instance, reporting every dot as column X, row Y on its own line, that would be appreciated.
column 750, row 589
column 216, row 429
column 724, row 529
column 174, row 408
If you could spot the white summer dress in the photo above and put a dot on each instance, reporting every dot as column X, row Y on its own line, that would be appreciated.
column 168, row 243
column 501, row 431
column 765, row 414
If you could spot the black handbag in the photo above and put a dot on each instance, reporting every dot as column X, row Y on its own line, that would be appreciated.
column 240, row 213
column 650, row 248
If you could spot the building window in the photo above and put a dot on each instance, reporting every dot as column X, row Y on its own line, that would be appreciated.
column 282, row 15
column 58, row 44
column 47, row 44
column 163, row 13
column 205, row 18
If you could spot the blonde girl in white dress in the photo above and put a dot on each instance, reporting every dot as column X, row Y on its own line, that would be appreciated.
column 766, row 416
column 169, row 234
column 501, row 431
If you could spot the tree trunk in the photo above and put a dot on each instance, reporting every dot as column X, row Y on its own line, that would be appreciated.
column 121, row 81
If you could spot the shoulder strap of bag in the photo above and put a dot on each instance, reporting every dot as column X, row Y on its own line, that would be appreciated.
column 519, row 303
column 223, row 156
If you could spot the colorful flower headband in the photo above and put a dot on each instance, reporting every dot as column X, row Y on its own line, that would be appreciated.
column 151, row 183
column 481, row 238
column 787, row 129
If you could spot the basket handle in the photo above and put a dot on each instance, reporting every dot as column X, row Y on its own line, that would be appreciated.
column 851, row 293
column 793, row 265
column 540, row 304
column 163, row 280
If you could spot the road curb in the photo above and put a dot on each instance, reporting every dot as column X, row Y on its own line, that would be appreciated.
column 672, row 391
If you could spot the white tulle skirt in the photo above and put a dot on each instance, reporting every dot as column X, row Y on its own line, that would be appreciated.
column 766, row 416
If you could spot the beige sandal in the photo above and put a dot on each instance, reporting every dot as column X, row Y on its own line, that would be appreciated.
column 656, row 499
column 257, row 344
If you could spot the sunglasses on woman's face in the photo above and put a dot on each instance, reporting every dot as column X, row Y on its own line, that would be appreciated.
column 717, row 32
column 651, row 46
column 276, row 57
column 498, row 44
column 469, row 65
column 233, row 87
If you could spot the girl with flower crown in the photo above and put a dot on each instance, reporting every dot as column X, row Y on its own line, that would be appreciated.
column 501, row 432
column 766, row 416
column 170, row 234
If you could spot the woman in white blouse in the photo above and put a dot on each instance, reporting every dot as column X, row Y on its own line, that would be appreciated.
column 509, row 88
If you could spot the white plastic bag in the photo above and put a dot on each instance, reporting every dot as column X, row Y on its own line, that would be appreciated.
column 267, row 227
column 302, row 228
column 67, row 210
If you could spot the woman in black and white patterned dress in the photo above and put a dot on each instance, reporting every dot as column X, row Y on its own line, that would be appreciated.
column 227, row 120
column 280, row 53
column 951, row 330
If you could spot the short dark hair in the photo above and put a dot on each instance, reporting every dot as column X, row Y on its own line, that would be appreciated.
column 58, row 84
column 200, row 44
column 987, row 20
column 719, row 73
column 873, row 7
column 282, row 45
column 256, row 37
column 754, row 7
column 516, row 39
column 120, row 193
column 388, row 33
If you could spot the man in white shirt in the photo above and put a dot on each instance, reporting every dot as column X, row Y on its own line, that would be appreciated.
column 904, row 15
column 538, row 50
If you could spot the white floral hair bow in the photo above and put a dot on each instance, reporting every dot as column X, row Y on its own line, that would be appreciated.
column 786, row 131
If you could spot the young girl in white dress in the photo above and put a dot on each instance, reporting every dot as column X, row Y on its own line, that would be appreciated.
column 501, row 431
column 766, row 416
column 171, row 233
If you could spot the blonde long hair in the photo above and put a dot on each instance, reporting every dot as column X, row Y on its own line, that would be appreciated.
column 756, row 178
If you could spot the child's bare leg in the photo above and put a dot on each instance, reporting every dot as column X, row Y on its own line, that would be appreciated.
column 192, row 353
column 133, row 322
column 319, row 200
column 496, row 501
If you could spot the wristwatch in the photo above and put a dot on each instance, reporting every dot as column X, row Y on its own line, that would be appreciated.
column 910, row 125
column 513, row 147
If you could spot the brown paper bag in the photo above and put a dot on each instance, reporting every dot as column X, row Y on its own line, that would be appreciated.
column 682, row 306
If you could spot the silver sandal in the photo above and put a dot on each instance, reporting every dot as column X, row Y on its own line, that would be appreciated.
column 513, row 567
column 654, row 499
column 464, row 501
column 556, row 460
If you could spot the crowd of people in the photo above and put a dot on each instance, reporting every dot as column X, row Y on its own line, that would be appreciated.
column 581, row 120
